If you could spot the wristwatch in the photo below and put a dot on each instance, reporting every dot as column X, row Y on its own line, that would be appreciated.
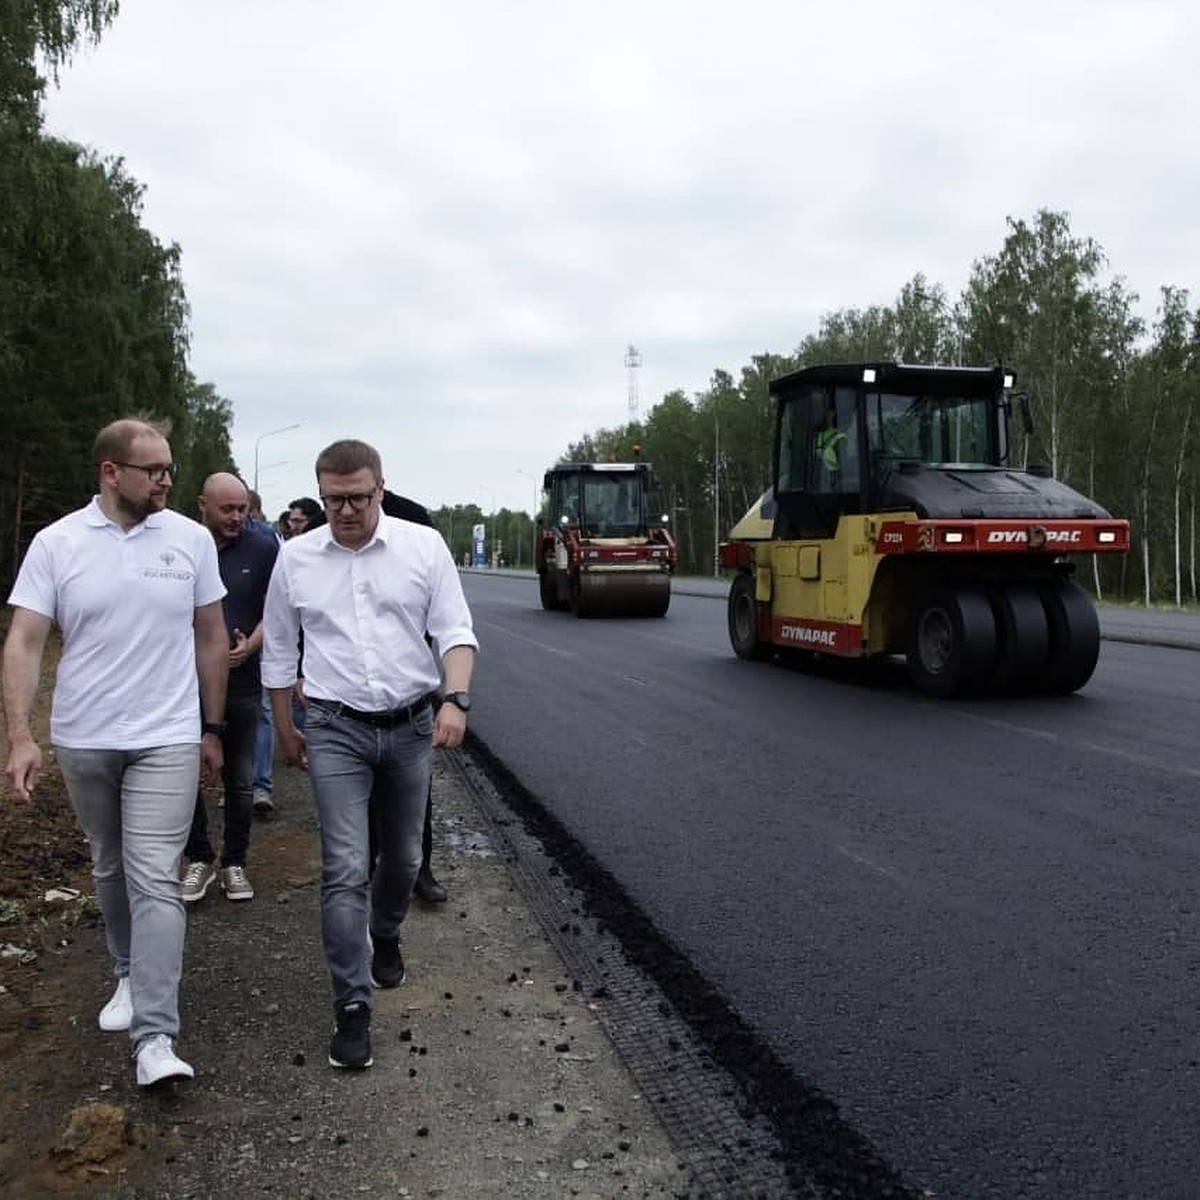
column 460, row 700
column 214, row 727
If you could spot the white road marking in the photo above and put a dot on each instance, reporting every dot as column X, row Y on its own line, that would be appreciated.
column 863, row 861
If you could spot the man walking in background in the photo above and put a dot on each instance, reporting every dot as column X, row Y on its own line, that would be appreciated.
column 245, row 560
column 256, row 522
column 263, row 782
column 304, row 514
column 366, row 592
column 427, row 888
column 136, row 592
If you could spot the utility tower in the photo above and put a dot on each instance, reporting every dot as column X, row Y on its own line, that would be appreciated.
column 633, row 362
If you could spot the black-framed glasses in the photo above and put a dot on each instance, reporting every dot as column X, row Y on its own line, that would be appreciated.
column 358, row 501
column 156, row 472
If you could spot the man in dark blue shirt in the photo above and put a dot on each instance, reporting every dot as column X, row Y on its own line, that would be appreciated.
column 245, row 559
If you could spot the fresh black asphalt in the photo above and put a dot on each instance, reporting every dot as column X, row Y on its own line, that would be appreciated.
column 970, row 925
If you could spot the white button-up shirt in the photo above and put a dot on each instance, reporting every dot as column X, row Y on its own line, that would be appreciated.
column 364, row 615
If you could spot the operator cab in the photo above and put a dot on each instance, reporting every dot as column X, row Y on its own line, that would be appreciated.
column 601, row 500
column 850, row 438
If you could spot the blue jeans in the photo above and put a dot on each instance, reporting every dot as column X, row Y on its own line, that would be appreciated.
column 135, row 806
column 264, row 748
column 237, row 742
column 347, row 762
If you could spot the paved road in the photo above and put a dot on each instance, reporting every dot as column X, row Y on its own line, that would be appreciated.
column 971, row 924
column 1124, row 623
column 1121, row 623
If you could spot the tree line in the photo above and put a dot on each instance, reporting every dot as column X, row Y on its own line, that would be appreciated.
column 93, row 312
column 94, row 326
column 1115, row 403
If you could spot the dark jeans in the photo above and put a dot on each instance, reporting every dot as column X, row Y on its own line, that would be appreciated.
column 241, row 726
column 264, row 748
column 426, row 836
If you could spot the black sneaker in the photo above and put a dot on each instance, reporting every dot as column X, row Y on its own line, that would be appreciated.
column 350, row 1045
column 427, row 889
column 387, row 967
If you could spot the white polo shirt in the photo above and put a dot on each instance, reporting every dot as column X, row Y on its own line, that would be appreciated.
column 364, row 614
column 125, row 602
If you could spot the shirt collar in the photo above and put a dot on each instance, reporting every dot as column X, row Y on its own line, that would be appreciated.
column 381, row 534
column 96, row 518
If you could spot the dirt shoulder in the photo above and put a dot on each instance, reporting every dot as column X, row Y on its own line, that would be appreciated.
column 492, row 1074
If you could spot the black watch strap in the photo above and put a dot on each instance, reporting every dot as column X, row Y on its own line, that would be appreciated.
column 460, row 700
column 217, row 727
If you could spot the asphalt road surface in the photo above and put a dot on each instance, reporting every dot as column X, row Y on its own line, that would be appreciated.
column 972, row 924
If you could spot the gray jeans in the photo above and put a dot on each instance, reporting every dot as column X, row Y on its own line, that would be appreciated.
column 352, row 766
column 135, row 806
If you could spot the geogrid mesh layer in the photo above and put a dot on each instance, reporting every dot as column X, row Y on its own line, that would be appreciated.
column 730, row 1155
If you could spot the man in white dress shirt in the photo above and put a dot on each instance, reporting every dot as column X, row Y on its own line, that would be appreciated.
column 364, row 591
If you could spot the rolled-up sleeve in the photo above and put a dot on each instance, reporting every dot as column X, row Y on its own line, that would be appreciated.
column 449, row 622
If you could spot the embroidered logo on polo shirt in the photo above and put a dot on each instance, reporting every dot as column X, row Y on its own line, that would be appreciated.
column 165, row 572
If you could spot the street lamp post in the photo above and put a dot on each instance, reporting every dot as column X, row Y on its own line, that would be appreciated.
column 259, row 440
column 489, row 524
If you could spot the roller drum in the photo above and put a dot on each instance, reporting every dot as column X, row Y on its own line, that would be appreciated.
column 621, row 594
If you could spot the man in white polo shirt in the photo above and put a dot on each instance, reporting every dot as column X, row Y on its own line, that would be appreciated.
column 137, row 593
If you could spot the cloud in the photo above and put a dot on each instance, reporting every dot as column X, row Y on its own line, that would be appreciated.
column 439, row 227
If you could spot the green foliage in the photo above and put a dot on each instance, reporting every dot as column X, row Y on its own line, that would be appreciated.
column 55, row 29
column 92, row 328
column 200, row 442
column 93, row 314
column 508, row 533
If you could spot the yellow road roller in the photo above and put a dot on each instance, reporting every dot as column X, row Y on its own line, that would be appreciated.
column 901, row 522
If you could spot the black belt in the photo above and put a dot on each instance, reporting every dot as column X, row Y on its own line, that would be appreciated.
column 381, row 720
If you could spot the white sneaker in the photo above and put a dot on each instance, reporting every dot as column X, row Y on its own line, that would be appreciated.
column 263, row 803
column 157, row 1060
column 118, row 1012
column 197, row 880
column 235, row 883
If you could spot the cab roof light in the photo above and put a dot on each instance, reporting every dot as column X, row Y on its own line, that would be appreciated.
column 1009, row 380
column 868, row 375
column 1106, row 535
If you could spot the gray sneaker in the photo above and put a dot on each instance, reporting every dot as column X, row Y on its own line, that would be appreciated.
column 235, row 883
column 263, row 804
column 197, row 879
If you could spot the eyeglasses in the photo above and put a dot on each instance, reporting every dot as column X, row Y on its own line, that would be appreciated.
column 357, row 501
column 156, row 472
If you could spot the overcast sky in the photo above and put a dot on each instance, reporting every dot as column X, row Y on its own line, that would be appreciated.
column 437, row 227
